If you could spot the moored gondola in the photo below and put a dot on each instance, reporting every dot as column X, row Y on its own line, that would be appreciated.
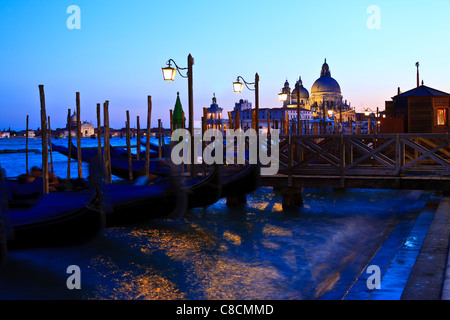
column 120, row 168
column 203, row 191
column 57, row 219
column 238, row 181
column 88, row 153
column 133, row 203
column 3, row 242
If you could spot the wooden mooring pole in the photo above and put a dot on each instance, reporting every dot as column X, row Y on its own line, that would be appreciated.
column 147, row 145
column 128, row 136
column 106, row 145
column 26, row 146
column 50, row 144
column 44, row 140
column 69, row 147
column 80, row 168
column 138, row 138
column 99, row 134
column 159, row 139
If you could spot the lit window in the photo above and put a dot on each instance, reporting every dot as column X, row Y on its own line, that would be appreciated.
column 441, row 117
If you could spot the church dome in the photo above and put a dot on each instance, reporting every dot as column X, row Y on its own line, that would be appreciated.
column 304, row 94
column 325, row 84
column 73, row 118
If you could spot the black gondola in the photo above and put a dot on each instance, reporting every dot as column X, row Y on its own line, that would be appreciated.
column 119, row 162
column 120, row 168
column 88, row 153
column 132, row 203
column 203, row 191
column 241, row 182
column 3, row 242
column 57, row 219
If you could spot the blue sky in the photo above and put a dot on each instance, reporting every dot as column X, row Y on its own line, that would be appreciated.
column 118, row 53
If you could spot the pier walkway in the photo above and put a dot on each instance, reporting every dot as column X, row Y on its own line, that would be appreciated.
column 378, row 161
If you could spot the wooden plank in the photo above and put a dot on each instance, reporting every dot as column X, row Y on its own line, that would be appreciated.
column 433, row 145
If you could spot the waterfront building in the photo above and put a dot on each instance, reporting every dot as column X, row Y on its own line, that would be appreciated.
column 214, row 117
column 325, row 95
column 422, row 109
column 87, row 128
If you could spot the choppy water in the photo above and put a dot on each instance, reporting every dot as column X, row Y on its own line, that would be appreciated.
column 257, row 252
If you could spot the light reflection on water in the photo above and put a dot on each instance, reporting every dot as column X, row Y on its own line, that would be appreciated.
column 257, row 252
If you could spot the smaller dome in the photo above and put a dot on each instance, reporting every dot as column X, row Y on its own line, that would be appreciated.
column 304, row 93
column 73, row 118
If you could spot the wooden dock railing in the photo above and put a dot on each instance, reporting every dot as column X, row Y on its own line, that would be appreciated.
column 390, row 161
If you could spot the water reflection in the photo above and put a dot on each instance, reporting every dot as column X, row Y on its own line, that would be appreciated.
column 255, row 252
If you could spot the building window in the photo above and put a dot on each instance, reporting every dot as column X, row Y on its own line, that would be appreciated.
column 441, row 117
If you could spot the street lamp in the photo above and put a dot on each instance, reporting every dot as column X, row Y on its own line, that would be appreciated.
column 237, row 87
column 169, row 72
column 282, row 96
column 169, row 75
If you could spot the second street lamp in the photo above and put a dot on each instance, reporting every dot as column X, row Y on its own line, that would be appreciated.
column 169, row 75
column 282, row 96
column 237, row 87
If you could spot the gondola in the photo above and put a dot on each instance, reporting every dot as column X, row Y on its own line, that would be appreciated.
column 133, row 203
column 57, row 219
column 241, row 182
column 88, row 153
column 119, row 162
column 3, row 243
column 203, row 191
column 165, row 148
column 120, row 168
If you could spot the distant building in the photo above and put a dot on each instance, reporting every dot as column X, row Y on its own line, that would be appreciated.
column 23, row 133
column 87, row 128
column 325, row 95
column 422, row 109
column 214, row 117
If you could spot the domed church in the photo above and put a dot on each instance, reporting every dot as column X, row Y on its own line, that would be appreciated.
column 325, row 95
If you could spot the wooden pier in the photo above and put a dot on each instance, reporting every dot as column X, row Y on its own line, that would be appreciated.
column 377, row 161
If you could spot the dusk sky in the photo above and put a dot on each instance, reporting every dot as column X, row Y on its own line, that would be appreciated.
column 118, row 52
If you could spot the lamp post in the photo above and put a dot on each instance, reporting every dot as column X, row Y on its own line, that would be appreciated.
column 237, row 87
column 367, row 113
column 330, row 113
column 169, row 75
